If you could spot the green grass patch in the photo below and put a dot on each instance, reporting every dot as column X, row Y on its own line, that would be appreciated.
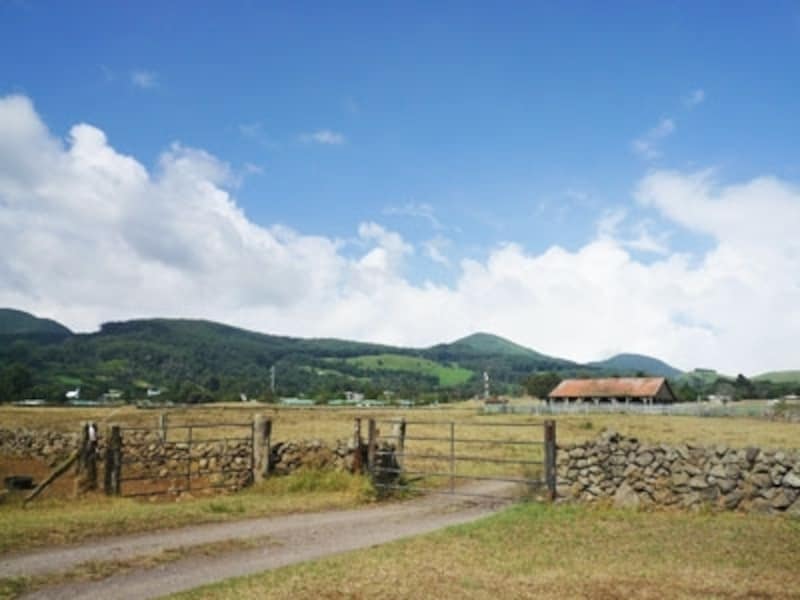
column 448, row 375
column 543, row 551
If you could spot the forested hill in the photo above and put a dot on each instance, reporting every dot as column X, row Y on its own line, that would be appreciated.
column 633, row 364
column 194, row 360
column 19, row 323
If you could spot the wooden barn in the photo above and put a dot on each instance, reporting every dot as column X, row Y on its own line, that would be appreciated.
column 642, row 390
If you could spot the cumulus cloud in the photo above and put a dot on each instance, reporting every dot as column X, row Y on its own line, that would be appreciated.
column 91, row 234
column 144, row 79
column 325, row 137
column 647, row 145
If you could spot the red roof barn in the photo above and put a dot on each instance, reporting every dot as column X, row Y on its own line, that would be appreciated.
column 647, row 390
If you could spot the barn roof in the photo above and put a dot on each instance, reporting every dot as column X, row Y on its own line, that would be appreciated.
column 615, row 387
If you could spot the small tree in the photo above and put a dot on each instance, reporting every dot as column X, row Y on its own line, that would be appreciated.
column 539, row 385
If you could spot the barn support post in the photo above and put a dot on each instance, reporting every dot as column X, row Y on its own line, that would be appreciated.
column 262, row 447
column 372, row 446
column 550, row 457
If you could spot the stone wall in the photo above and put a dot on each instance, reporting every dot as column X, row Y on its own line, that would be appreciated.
column 145, row 454
column 48, row 446
column 630, row 473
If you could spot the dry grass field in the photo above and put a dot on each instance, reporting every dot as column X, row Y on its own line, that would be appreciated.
column 55, row 518
column 541, row 551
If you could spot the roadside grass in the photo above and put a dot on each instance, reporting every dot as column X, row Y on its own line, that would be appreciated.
column 14, row 587
column 566, row 551
column 54, row 521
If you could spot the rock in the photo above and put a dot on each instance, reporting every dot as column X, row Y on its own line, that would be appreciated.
column 718, row 471
column 732, row 500
column 577, row 452
column 679, row 479
column 644, row 459
column 698, row 483
column 761, row 480
column 751, row 454
column 783, row 499
column 791, row 479
column 726, row 485
column 626, row 497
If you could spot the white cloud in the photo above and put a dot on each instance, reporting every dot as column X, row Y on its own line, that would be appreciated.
column 419, row 210
column 436, row 247
column 92, row 235
column 323, row 136
column 144, row 79
column 694, row 98
column 647, row 145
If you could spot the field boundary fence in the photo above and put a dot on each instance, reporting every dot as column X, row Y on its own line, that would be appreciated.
column 688, row 409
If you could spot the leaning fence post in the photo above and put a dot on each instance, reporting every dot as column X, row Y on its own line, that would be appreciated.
column 372, row 442
column 550, row 457
column 262, row 436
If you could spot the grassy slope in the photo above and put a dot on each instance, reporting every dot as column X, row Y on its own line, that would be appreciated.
column 448, row 375
column 779, row 377
column 556, row 552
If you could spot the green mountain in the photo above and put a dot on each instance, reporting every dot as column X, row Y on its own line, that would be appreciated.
column 486, row 343
column 20, row 323
column 194, row 360
column 779, row 377
column 632, row 364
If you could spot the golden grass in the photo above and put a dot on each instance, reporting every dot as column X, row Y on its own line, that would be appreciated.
column 53, row 521
column 64, row 521
column 540, row 551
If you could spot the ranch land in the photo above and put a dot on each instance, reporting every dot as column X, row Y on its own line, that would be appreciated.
column 530, row 550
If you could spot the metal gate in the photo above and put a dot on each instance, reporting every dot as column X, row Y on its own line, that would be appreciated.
column 147, row 461
column 498, row 460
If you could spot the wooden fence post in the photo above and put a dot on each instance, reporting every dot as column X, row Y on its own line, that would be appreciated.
column 86, row 471
column 163, row 426
column 550, row 457
column 262, row 443
column 114, row 448
column 372, row 446
column 358, row 462
column 400, row 435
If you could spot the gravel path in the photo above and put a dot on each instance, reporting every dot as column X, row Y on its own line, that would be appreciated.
column 292, row 539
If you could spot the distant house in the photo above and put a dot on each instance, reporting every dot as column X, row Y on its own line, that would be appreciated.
column 625, row 390
column 74, row 394
column 353, row 396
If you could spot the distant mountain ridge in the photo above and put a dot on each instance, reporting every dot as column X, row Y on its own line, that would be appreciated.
column 204, row 359
column 17, row 322
column 631, row 364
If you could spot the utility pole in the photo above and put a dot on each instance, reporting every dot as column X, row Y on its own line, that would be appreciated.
column 485, row 385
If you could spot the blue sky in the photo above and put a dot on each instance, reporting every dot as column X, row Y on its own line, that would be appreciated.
column 461, row 129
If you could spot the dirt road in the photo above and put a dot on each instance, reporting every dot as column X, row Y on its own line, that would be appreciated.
column 291, row 539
